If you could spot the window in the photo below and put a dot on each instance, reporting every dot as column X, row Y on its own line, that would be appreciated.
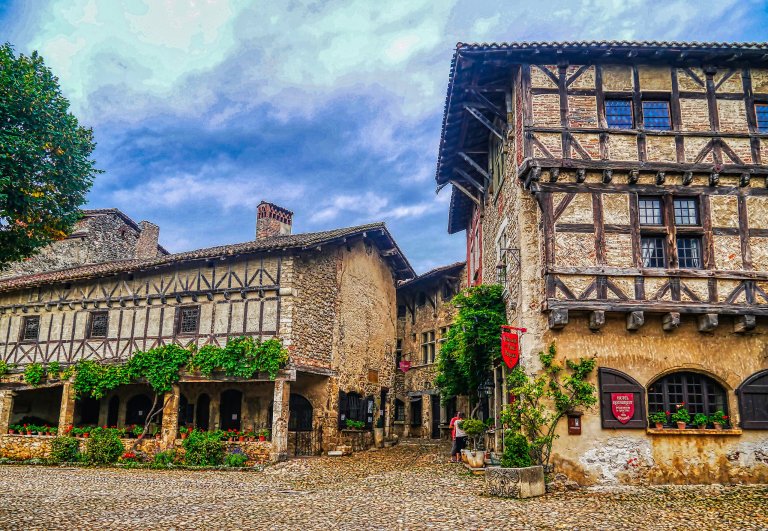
column 355, row 407
column 98, row 324
column 398, row 352
column 753, row 401
column 686, row 212
column 416, row 412
column 30, row 328
column 699, row 393
column 689, row 253
column 618, row 114
column 656, row 115
column 188, row 319
column 428, row 347
column 399, row 410
column 653, row 252
column 761, row 115
column 421, row 299
column 496, row 164
column 475, row 250
column 443, row 337
column 650, row 211
column 448, row 291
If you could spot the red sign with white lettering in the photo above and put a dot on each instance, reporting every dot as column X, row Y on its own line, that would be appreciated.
column 510, row 345
column 405, row 366
column 623, row 406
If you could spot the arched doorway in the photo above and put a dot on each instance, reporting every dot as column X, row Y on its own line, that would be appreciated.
column 186, row 412
column 300, row 414
column 112, row 411
column 202, row 414
column 137, row 410
column 87, row 411
column 230, row 409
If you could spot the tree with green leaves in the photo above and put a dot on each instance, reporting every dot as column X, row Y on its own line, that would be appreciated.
column 45, row 165
column 473, row 343
column 542, row 400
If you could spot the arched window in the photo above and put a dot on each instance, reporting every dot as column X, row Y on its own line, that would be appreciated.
column 699, row 393
column 753, row 401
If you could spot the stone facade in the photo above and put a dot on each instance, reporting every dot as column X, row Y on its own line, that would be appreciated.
column 99, row 236
column 330, row 297
column 560, row 218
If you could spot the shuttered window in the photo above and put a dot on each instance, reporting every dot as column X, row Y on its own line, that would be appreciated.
column 613, row 386
column 753, row 402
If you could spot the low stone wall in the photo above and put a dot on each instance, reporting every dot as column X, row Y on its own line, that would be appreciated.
column 25, row 447
column 515, row 482
column 357, row 440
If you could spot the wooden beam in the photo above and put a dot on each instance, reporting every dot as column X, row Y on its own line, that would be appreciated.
column 470, row 179
column 670, row 321
column 744, row 323
column 656, row 306
column 707, row 322
column 483, row 120
column 475, row 165
column 635, row 320
column 558, row 318
column 488, row 104
column 596, row 320
column 465, row 192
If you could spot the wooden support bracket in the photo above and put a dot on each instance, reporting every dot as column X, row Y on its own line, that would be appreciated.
column 687, row 178
column 661, row 178
column 744, row 323
column 558, row 318
column 707, row 322
column 714, row 179
column 607, row 176
column 581, row 175
column 596, row 320
column 635, row 320
column 483, row 120
column 470, row 179
column 465, row 192
column 633, row 177
column 670, row 321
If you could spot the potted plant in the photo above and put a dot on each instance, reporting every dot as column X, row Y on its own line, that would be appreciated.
column 183, row 431
column 474, row 429
column 658, row 419
column 138, row 431
column 700, row 420
column 263, row 434
column 355, row 424
column 12, row 429
column 155, row 432
column 718, row 419
column 681, row 416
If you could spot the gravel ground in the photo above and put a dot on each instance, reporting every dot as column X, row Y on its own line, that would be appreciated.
column 408, row 487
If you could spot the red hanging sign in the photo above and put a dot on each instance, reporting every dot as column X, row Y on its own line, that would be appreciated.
column 510, row 345
column 405, row 366
column 623, row 406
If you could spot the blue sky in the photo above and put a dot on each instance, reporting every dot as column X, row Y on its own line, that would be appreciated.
column 332, row 109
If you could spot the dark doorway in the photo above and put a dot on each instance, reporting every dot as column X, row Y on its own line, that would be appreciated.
column 229, row 411
column 186, row 412
column 416, row 412
column 137, row 410
column 300, row 414
column 87, row 411
column 112, row 411
column 435, row 416
column 203, row 412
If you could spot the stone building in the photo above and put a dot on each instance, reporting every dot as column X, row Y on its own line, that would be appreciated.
column 100, row 235
column 423, row 318
column 618, row 190
column 329, row 296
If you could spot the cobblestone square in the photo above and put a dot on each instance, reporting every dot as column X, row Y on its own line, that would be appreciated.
column 410, row 486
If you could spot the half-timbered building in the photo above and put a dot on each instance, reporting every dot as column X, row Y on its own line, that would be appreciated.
column 619, row 192
column 329, row 296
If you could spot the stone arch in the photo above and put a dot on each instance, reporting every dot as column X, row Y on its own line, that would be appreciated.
column 137, row 409
column 699, row 390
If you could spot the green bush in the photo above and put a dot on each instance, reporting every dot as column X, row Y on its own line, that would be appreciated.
column 235, row 459
column 517, row 453
column 203, row 449
column 165, row 459
column 65, row 450
column 103, row 447
column 34, row 373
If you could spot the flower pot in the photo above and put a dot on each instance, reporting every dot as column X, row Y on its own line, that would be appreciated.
column 474, row 458
column 717, row 425
column 29, row 432
column 184, row 435
column 702, row 426
column 681, row 425
column 659, row 425
column 262, row 438
column 11, row 431
column 241, row 438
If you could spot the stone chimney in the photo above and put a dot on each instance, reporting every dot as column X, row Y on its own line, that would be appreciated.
column 272, row 220
column 146, row 245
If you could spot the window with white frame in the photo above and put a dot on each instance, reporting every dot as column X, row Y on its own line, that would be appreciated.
column 428, row 347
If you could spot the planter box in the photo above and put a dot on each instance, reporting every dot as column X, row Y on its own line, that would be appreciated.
column 475, row 459
column 515, row 482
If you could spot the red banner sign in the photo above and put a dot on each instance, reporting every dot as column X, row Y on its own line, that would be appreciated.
column 405, row 366
column 623, row 406
column 510, row 345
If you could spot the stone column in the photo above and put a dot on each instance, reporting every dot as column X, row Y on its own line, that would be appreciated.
column 6, row 409
column 280, row 411
column 67, row 410
column 170, row 426
column 498, row 393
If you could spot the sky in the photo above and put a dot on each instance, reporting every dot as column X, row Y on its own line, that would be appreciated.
column 201, row 109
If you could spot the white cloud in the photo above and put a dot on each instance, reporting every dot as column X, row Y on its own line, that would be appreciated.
column 372, row 207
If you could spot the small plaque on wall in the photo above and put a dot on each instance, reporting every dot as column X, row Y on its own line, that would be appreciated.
column 373, row 376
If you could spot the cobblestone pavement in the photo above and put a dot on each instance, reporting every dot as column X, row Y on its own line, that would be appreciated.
column 407, row 487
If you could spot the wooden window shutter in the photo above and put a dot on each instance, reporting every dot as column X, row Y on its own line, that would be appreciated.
column 177, row 321
column 613, row 381
column 753, row 401
column 343, row 406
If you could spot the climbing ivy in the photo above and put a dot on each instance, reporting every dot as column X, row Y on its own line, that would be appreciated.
column 96, row 379
column 159, row 366
column 242, row 357
column 33, row 374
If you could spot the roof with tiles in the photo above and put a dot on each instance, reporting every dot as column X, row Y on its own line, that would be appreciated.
column 305, row 241
column 433, row 274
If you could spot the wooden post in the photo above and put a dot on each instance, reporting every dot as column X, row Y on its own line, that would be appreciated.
column 67, row 410
column 280, row 411
column 6, row 409
column 170, row 425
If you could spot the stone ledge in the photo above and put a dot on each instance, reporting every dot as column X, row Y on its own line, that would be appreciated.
column 675, row 431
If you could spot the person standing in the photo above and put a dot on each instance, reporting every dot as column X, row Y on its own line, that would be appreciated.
column 458, row 436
